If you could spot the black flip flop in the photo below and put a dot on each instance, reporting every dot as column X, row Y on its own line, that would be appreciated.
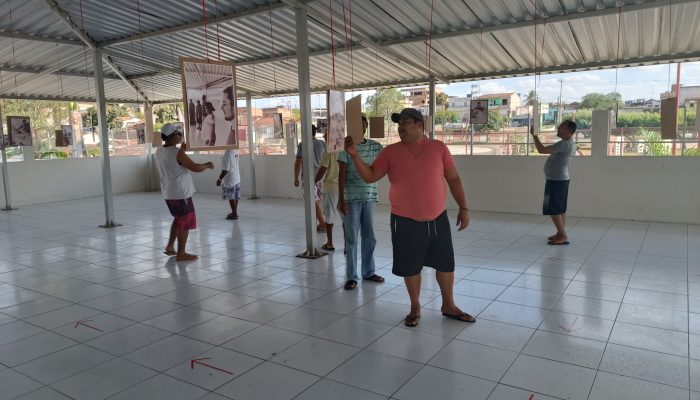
column 459, row 317
column 558, row 243
column 324, row 247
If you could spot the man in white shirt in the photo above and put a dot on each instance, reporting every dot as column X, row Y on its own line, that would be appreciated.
column 230, row 181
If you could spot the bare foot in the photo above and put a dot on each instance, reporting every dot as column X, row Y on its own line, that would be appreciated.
column 186, row 257
column 455, row 313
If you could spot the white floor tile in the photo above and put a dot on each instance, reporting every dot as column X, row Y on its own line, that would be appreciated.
column 14, row 384
column 161, row 387
column 169, row 352
column 353, row 331
column 104, row 380
column 550, row 377
column 503, row 392
column 654, row 339
column 315, row 356
column 409, row 344
column 515, row 314
column 32, row 347
column 264, row 341
column 438, row 383
column 328, row 389
column 647, row 365
column 566, row 349
column 474, row 359
column 611, row 386
column 214, row 368
column 63, row 364
column 268, row 381
column 497, row 334
column 375, row 372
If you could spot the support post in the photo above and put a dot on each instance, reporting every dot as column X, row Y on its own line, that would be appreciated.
column 601, row 124
column 252, row 137
column 104, row 139
column 431, row 108
column 300, row 12
column 148, row 131
column 5, row 173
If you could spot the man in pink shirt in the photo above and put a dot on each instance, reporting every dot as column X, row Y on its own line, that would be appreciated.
column 420, row 230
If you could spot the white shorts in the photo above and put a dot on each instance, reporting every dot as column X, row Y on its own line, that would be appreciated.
column 329, row 207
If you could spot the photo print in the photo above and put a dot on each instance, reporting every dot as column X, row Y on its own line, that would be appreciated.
column 20, row 131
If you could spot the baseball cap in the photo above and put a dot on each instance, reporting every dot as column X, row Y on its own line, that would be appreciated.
column 170, row 129
column 407, row 113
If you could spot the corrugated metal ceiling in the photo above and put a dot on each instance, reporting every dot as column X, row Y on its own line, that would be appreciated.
column 471, row 39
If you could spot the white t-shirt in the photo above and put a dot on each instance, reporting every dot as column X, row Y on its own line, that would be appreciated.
column 230, row 163
column 175, row 180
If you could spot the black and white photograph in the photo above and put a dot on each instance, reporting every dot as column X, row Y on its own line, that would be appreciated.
column 140, row 133
column 336, row 121
column 322, row 126
column 209, row 89
column 278, row 131
column 67, row 132
column 20, row 131
column 478, row 112
column 5, row 142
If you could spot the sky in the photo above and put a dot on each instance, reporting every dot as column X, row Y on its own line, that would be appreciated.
column 633, row 83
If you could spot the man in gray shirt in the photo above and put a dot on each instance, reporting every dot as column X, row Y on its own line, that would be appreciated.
column 319, row 151
column 556, row 171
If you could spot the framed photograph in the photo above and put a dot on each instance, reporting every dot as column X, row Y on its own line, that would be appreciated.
column 479, row 111
column 278, row 128
column 211, row 113
column 19, row 131
column 140, row 133
column 322, row 126
column 67, row 135
column 336, row 121
column 376, row 127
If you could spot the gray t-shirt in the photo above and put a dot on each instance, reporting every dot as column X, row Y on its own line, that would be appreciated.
column 557, row 166
column 319, row 151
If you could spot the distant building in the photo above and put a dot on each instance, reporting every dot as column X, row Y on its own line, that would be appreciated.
column 460, row 105
column 503, row 103
column 419, row 96
column 269, row 112
column 642, row 105
column 688, row 94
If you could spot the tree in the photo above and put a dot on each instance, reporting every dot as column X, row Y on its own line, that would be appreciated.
column 45, row 117
column 164, row 113
column 599, row 101
column 296, row 114
column 114, row 114
column 441, row 99
column 446, row 116
column 384, row 102
column 531, row 99
column 496, row 122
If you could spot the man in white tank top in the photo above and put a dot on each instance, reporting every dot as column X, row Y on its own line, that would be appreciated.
column 174, row 167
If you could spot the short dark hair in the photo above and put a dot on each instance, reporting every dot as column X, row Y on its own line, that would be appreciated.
column 313, row 130
column 570, row 124
column 162, row 136
column 364, row 118
column 229, row 93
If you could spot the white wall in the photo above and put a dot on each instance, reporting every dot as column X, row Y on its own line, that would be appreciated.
column 41, row 181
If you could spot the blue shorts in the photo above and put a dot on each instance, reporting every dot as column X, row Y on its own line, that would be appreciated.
column 231, row 193
column 556, row 194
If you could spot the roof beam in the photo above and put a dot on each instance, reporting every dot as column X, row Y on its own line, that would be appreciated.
column 22, row 70
column 648, row 5
column 196, row 24
column 92, row 44
column 50, row 70
column 13, row 96
column 366, row 41
column 34, row 38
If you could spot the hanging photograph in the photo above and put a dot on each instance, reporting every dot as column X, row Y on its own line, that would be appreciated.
column 292, row 130
column 19, row 131
column 67, row 135
column 321, row 126
column 353, row 117
column 376, row 127
column 209, row 89
column 140, row 133
column 5, row 142
column 336, row 121
column 278, row 131
column 478, row 112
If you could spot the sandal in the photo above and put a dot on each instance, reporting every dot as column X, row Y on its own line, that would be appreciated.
column 329, row 248
column 186, row 257
column 374, row 278
column 411, row 321
column 169, row 253
column 464, row 317
column 558, row 242
column 350, row 285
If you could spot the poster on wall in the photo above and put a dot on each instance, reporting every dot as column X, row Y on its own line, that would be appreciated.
column 376, row 127
column 669, row 118
column 20, row 131
column 67, row 135
column 278, row 131
column 209, row 90
column 140, row 133
column 353, row 116
column 478, row 112
column 428, row 123
column 322, row 126
column 336, row 121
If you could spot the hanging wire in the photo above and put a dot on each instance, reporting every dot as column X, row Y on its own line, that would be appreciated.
column 272, row 51
column 218, row 40
column 60, row 81
column 617, row 59
column 429, row 44
column 669, row 44
column 330, row 16
column 14, row 60
column 206, row 39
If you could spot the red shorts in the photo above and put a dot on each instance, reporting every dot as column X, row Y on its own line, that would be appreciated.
column 183, row 211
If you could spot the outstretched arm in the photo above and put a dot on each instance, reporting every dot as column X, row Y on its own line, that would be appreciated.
column 368, row 174
column 187, row 162
column 542, row 149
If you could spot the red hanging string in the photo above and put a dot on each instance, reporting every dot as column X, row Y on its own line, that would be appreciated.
column 206, row 39
column 430, row 36
column 60, row 80
column 14, row 60
column 330, row 15
column 345, row 27
column 352, row 63
column 82, row 28
column 138, row 12
column 272, row 50
column 218, row 40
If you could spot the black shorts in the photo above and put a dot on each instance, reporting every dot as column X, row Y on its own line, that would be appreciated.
column 421, row 243
column 556, row 194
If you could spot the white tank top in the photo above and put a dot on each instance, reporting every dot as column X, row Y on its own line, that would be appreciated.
column 175, row 180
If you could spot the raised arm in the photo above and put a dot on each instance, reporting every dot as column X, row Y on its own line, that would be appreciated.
column 367, row 173
column 542, row 149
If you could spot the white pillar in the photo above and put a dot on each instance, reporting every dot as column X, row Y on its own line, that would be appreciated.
column 5, row 173
column 148, row 131
column 431, row 108
column 252, row 136
column 306, row 135
column 104, row 138
column 601, row 123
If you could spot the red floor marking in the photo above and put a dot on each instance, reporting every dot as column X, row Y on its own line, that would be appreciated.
column 571, row 329
column 83, row 323
column 532, row 396
column 197, row 361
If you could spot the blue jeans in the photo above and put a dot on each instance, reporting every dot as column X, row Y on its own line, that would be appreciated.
column 358, row 220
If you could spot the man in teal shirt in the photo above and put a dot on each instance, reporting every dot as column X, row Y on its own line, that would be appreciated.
column 356, row 200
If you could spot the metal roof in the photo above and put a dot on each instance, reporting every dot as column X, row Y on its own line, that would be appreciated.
column 46, row 45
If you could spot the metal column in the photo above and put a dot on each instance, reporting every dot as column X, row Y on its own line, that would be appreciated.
column 431, row 108
column 5, row 174
column 252, row 138
column 104, row 138
column 307, row 138
column 148, row 131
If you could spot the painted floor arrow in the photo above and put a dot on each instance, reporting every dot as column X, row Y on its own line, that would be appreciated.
column 198, row 361
column 571, row 328
column 83, row 323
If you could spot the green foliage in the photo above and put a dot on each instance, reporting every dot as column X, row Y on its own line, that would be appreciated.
column 114, row 114
column 654, row 143
column 441, row 99
column 53, row 154
column 94, row 152
column 531, row 99
column 582, row 118
column 296, row 114
column 384, row 102
column 692, row 152
column 599, row 101
column 496, row 122
column 45, row 117
column 446, row 116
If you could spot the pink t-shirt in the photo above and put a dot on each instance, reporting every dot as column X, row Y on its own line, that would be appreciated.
column 417, row 175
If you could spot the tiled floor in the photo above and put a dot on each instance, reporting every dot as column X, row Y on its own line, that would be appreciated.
column 91, row 313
